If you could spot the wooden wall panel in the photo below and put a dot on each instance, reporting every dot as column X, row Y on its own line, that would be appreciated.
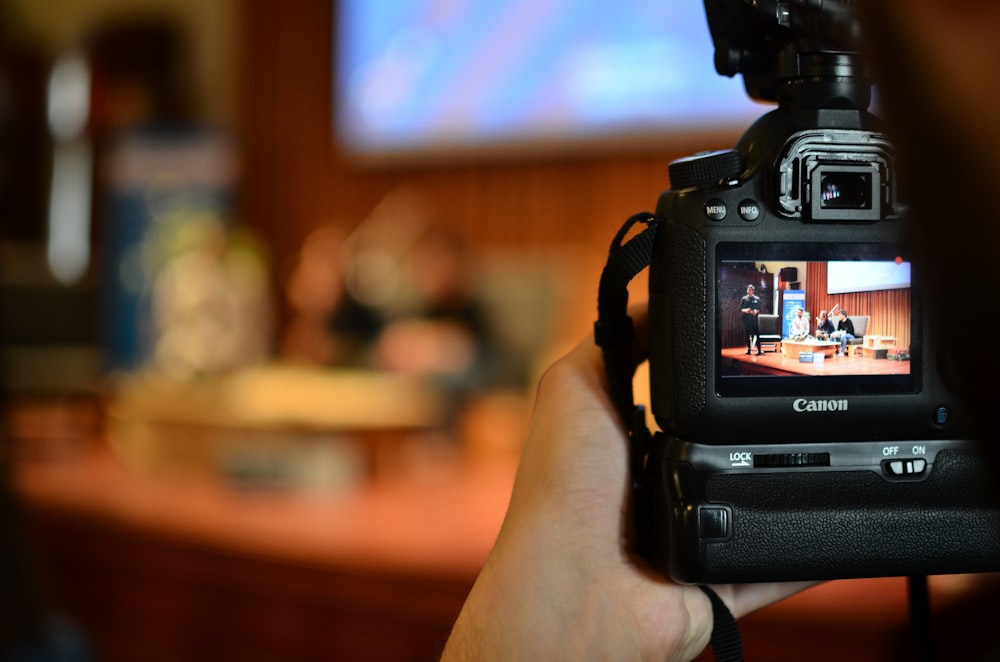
column 296, row 178
column 889, row 309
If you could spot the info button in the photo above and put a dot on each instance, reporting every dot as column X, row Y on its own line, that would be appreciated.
column 749, row 210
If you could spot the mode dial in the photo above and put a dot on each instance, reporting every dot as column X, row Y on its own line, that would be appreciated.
column 705, row 170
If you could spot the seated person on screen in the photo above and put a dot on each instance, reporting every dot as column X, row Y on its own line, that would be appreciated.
column 824, row 326
column 798, row 328
column 844, row 332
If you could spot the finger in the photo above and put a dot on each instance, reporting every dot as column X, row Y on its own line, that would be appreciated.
column 573, row 410
column 587, row 357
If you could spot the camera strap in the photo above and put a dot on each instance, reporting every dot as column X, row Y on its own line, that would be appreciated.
column 613, row 330
column 614, row 334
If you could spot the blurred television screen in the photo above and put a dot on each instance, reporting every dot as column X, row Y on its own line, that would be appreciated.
column 418, row 77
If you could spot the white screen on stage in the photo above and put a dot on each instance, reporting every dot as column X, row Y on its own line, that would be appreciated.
column 844, row 277
column 419, row 76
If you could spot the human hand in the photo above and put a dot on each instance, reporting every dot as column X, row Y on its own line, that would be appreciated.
column 562, row 581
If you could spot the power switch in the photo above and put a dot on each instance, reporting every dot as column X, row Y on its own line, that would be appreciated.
column 914, row 467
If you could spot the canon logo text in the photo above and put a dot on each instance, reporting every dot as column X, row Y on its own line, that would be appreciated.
column 802, row 404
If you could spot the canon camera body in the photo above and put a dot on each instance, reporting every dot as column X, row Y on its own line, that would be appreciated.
column 786, row 456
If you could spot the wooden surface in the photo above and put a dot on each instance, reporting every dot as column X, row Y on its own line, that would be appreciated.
column 163, row 567
column 777, row 363
column 188, row 568
column 441, row 526
column 792, row 348
column 879, row 342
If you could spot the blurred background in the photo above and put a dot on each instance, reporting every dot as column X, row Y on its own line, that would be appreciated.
column 276, row 282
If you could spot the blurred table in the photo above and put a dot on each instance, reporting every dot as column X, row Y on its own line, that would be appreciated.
column 347, row 418
column 177, row 564
column 167, row 567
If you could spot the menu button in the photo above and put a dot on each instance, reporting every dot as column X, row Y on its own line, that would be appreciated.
column 715, row 209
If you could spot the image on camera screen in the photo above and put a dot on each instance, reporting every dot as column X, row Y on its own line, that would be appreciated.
column 826, row 324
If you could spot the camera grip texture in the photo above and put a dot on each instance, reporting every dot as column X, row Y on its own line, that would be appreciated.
column 677, row 281
column 833, row 524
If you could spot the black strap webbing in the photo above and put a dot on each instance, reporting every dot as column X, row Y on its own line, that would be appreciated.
column 726, row 642
column 918, row 592
column 613, row 330
column 614, row 333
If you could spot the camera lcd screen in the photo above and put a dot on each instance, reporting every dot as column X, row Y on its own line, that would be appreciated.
column 814, row 318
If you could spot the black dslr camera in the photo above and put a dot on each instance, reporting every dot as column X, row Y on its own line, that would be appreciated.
column 783, row 456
